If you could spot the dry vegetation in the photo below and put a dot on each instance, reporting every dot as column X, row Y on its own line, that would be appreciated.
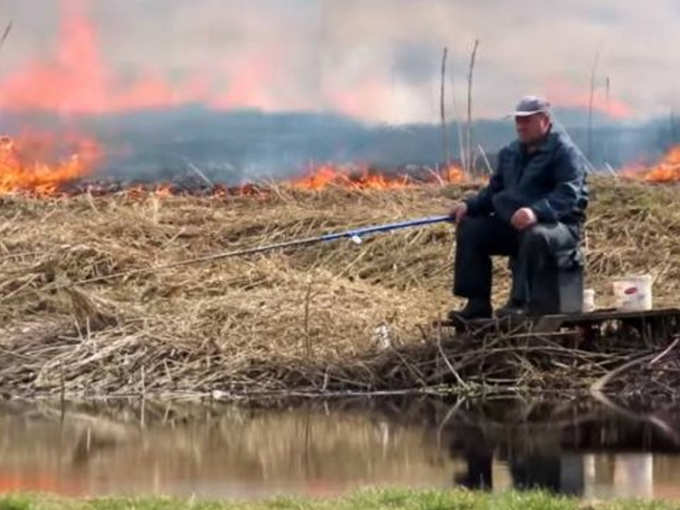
column 313, row 319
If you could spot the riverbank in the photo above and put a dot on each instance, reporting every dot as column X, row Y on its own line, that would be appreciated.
column 392, row 499
column 329, row 318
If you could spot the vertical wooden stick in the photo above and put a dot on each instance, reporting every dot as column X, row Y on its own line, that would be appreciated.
column 445, row 138
column 608, row 112
column 142, row 413
column 459, row 127
column 62, row 394
column 5, row 34
column 607, row 85
column 673, row 135
column 308, row 340
column 468, row 141
column 590, row 105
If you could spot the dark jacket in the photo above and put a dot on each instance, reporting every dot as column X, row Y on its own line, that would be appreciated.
column 551, row 181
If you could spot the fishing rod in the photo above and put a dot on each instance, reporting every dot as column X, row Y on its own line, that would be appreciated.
column 354, row 235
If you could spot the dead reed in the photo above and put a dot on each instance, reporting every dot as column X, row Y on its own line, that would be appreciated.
column 329, row 317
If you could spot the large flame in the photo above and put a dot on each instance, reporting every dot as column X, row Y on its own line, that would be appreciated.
column 41, row 164
column 76, row 79
column 666, row 170
column 566, row 95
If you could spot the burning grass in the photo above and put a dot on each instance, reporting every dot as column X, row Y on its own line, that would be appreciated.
column 35, row 163
column 330, row 317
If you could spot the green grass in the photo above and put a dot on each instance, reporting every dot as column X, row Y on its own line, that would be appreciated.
column 392, row 499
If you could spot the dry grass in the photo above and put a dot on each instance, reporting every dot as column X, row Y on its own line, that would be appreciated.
column 303, row 319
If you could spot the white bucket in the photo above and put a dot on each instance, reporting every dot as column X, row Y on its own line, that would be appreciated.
column 633, row 293
column 588, row 300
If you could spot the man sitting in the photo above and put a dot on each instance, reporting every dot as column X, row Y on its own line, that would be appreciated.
column 532, row 209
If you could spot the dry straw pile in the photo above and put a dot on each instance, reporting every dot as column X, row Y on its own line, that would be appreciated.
column 333, row 316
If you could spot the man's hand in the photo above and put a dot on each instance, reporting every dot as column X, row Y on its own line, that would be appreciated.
column 523, row 218
column 458, row 211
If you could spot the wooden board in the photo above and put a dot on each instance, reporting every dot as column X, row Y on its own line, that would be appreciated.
column 548, row 323
column 600, row 316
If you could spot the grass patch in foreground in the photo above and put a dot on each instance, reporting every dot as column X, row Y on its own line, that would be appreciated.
column 391, row 499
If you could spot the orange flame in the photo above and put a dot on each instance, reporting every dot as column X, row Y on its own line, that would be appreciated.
column 164, row 190
column 76, row 79
column 566, row 95
column 453, row 174
column 328, row 175
column 323, row 177
column 31, row 163
column 666, row 170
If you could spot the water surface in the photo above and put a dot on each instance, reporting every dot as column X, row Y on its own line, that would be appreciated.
column 328, row 449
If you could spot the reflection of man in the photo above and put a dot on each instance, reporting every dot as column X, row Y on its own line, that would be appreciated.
column 541, row 467
column 536, row 472
column 478, row 454
column 532, row 210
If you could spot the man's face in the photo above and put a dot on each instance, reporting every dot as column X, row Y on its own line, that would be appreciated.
column 532, row 128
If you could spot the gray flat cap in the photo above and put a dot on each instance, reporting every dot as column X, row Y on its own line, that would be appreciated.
column 530, row 105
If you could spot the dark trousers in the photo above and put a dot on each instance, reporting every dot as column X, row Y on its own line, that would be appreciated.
column 480, row 237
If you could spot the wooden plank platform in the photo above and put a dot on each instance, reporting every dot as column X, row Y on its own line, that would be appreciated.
column 550, row 323
column 554, row 322
column 612, row 314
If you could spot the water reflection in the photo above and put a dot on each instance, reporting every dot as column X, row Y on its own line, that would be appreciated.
column 578, row 450
column 223, row 451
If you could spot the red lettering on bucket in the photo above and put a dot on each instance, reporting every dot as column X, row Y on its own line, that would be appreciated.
column 630, row 290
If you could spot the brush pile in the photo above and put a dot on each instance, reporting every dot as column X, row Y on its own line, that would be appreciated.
column 332, row 317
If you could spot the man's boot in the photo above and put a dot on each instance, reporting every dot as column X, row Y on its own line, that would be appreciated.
column 476, row 308
column 513, row 308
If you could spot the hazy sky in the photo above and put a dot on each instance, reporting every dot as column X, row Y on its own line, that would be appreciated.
column 375, row 59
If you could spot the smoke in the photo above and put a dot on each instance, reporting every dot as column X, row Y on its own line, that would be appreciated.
column 377, row 60
column 163, row 82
